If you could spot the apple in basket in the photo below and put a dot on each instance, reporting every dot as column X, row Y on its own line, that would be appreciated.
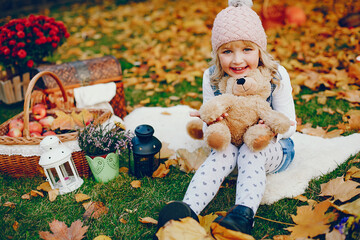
column 15, row 132
column 16, row 123
column 48, row 133
column 46, row 121
column 39, row 111
column 35, row 126
column 35, row 134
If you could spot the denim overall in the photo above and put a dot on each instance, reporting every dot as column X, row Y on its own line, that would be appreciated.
column 287, row 144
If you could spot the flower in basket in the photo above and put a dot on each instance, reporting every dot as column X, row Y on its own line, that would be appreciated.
column 24, row 42
column 97, row 139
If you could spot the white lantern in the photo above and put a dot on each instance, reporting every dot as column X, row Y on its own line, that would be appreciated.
column 59, row 166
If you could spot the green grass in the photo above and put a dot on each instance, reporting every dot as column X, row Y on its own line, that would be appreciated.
column 130, row 204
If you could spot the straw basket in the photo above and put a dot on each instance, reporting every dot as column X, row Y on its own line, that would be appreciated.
column 19, row 156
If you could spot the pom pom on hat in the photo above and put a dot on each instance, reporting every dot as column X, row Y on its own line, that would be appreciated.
column 239, row 3
column 238, row 22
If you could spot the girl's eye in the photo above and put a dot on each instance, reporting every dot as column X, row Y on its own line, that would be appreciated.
column 227, row 51
column 248, row 49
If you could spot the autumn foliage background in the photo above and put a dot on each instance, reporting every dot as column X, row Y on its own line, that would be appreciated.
column 164, row 47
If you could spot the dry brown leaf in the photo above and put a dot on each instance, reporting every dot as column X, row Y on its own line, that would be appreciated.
column 191, row 161
column 281, row 237
column 102, row 237
column 353, row 172
column 45, row 186
column 80, row 197
column 352, row 208
column 311, row 221
column 301, row 198
column 353, row 117
column 221, row 213
column 123, row 221
column 61, row 232
column 165, row 152
column 53, row 193
column 185, row 229
column 35, row 193
column 148, row 220
column 161, row 172
column 95, row 210
column 82, row 118
column 9, row 204
column 124, row 170
column 63, row 121
column 340, row 189
column 205, row 221
column 26, row 196
column 334, row 235
column 136, row 183
column 170, row 162
column 222, row 233
column 15, row 226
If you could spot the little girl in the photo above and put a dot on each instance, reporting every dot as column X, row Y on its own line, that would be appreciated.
column 239, row 46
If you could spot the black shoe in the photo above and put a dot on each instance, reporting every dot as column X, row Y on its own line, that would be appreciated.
column 174, row 211
column 239, row 218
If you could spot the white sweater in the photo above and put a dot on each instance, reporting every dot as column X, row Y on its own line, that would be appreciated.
column 282, row 100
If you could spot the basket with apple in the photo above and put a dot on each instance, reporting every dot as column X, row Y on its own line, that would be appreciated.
column 21, row 135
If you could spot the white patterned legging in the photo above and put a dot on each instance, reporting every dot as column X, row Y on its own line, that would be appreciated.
column 251, row 180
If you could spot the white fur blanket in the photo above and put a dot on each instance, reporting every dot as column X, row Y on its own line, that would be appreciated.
column 314, row 156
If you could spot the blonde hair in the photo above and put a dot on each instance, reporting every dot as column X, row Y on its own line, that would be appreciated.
column 266, row 61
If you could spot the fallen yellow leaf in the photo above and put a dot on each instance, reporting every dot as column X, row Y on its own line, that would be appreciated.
column 205, row 221
column 15, row 226
column 45, row 186
column 53, row 193
column 124, row 170
column 136, row 183
column 102, row 237
column 161, row 172
column 185, row 229
column 80, row 197
column 340, row 189
column 148, row 220
column 35, row 193
column 9, row 204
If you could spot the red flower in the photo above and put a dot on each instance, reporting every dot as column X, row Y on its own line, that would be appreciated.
column 19, row 27
column 21, row 45
column 54, row 45
column 20, row 34
column 22, row 53
column 6, row 51
column 12, row 42
column 30, row 63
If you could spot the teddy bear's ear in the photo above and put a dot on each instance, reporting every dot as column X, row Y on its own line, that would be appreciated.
column 223, row 84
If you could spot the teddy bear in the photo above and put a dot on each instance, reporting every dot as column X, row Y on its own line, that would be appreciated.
column 244, row 101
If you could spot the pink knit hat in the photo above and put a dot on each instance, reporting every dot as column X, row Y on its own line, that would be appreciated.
column 238, row 22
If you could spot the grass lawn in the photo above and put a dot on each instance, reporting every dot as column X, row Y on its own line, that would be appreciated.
column 130, row 204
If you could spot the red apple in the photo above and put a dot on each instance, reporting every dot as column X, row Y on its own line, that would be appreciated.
column 46, row 121
column 15, row 132
column 39, row 111
column 48, row 133
column 35, row 126
column 16, row 123
column 35, row 134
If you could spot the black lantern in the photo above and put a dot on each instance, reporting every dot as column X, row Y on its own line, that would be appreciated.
column 142, row 159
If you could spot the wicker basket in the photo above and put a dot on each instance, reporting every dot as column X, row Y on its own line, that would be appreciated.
column 15, row 159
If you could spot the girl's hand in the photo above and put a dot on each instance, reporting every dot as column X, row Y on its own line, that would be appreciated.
column 197, row 114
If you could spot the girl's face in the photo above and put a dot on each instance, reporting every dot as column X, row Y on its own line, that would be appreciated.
column 238, row 58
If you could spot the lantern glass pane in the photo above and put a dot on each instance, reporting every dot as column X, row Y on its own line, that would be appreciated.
column 53, row 176
column 66, row 170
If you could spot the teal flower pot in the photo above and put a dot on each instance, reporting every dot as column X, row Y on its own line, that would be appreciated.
column 104, row 168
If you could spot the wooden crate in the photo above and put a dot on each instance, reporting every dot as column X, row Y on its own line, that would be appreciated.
column 13, row 90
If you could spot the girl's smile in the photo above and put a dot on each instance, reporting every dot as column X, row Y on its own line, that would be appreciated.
column 238, row 58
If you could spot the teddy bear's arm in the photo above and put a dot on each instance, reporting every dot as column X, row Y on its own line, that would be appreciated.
column 216, row 107
column 277, row 121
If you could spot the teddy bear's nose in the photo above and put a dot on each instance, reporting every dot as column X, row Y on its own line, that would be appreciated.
column 240, row 81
